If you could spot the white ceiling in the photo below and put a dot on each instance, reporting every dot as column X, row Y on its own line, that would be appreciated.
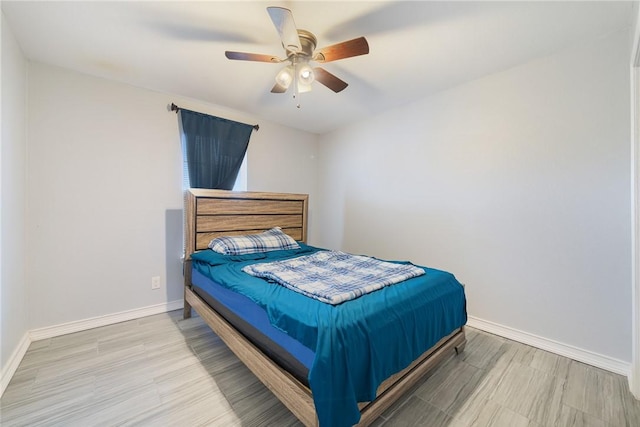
column 416, row 48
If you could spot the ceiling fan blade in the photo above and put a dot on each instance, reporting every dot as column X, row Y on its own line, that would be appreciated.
column 243, row 56
column 329, row 80
column 283, row 20
column 342, row 50
column 278, row 88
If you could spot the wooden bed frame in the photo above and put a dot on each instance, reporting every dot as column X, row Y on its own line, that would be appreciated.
column 212, row 213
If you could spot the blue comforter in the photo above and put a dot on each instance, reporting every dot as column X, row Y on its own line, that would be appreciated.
column 359, row 343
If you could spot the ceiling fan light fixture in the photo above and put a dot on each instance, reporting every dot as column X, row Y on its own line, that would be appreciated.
column 305, row 74
column 303, row 87
column 285, row 76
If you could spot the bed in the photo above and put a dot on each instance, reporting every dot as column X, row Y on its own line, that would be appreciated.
column 285, row 362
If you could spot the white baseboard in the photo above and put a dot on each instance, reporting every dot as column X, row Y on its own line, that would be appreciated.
column 11, row 366
column 96, row 322
column 590, row 358
column 80, row 325
column 580, row 355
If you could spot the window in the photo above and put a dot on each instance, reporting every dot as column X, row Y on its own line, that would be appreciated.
column 241, row 180
column 214, row 150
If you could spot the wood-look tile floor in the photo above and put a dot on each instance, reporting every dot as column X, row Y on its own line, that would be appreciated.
column 165, row 371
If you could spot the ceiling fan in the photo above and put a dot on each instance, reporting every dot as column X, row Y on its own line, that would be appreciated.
column 300, row 49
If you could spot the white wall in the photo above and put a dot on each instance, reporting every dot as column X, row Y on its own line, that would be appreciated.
column 634, row 377
column 13, row 293
column 518, row 183
column 288, row 163
column 104, row 192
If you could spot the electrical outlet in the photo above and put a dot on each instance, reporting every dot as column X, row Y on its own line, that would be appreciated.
column 155, row 282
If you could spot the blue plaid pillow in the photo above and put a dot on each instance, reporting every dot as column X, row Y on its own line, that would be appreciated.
column 270, row 240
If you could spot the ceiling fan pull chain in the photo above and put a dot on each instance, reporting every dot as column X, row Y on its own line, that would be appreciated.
column 296, row 95
column 296, row 81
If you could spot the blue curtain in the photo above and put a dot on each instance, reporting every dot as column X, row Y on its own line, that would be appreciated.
column 215, row 148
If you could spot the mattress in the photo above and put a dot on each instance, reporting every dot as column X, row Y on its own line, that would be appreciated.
column 357, row 344
column 252, row 321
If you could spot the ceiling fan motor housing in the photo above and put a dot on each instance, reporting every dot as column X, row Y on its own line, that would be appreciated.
column 307, row 44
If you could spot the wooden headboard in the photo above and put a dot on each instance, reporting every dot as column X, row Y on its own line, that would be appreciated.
column 213, row 213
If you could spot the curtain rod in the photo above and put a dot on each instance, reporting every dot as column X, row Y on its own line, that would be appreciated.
column 175, row 108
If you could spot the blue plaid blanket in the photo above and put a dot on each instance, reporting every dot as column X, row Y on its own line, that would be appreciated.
column 333, row 277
